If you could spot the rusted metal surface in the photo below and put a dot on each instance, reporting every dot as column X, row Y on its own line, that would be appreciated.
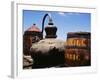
column 48, row 53
column 31, row 35
column 78, row 51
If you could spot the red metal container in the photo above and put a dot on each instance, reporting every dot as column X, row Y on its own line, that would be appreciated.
column 31, row 35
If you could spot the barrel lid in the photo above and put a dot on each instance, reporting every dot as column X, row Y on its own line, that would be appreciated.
column 78, row 34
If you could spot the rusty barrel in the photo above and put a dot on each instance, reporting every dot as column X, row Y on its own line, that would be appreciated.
column 78, row 49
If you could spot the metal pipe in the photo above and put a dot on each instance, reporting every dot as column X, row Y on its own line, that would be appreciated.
column 50, row 20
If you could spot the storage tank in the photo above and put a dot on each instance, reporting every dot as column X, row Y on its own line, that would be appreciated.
column 78, row 49
column 31, row 35
column 48, row 52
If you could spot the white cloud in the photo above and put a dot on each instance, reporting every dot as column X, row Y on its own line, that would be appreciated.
column 62, row 13
column 73, row 13
column 68, row 13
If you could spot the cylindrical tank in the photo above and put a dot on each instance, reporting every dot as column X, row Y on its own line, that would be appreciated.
column 31, row 35
column 78, row 51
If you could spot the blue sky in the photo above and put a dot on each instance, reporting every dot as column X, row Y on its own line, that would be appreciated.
column 64, row 21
